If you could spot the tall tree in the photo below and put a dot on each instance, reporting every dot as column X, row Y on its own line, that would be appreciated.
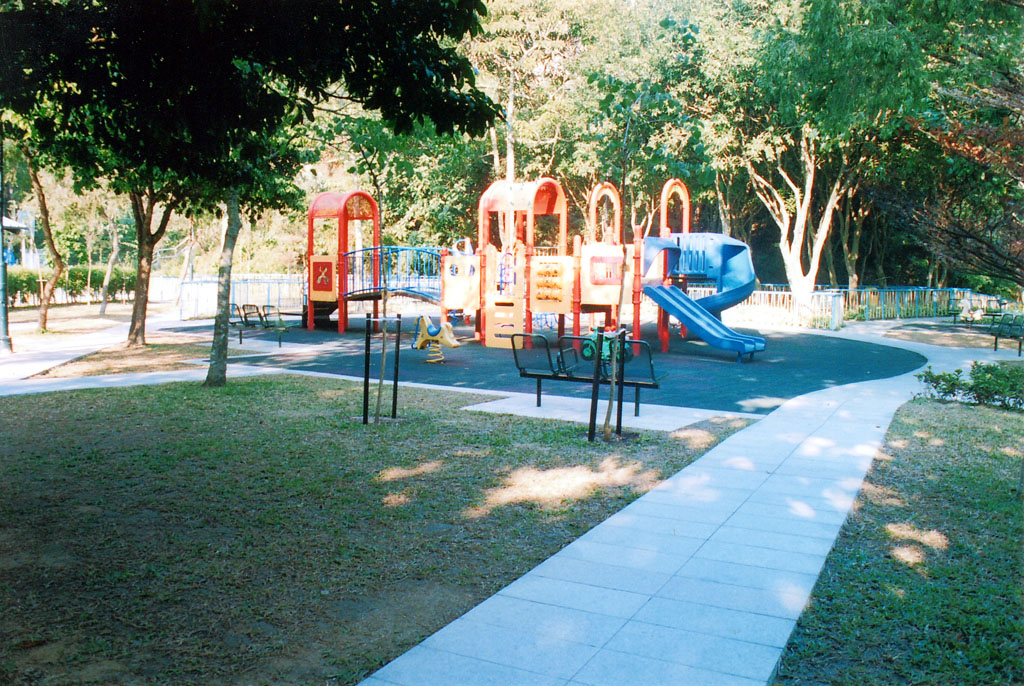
column 642, row 134
column 952, row 72
column 260, row 177
column 56, row 259
column 523, row 53
column 159, row 98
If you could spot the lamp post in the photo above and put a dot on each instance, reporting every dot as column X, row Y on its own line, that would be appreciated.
column 5, row 338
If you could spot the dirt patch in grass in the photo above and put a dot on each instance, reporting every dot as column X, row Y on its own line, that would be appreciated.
column 162, row 352
column 943, row 333
column 259, row 534
column 76, row 319
column 81, row 316
column 924, row 584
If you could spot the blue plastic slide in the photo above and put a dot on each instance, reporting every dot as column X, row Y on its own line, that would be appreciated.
column 708, row 256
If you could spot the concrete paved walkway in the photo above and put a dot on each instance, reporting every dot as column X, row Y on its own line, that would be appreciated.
column 700, row 581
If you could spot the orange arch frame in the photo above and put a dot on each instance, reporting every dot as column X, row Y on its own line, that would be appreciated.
column 523, row 202
column 606, row 190
column 520, row 204
column 340, row 206
column 674, row 187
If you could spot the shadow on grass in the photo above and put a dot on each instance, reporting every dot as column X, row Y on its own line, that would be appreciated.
column 259, row 533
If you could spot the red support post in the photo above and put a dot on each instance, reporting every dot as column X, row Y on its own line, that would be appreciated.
column 637, row 287
column 444, row 258
column 577, row 295
column 481, row 318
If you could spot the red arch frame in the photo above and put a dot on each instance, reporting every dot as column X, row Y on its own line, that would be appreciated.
column 674, row 187
column 336, row 205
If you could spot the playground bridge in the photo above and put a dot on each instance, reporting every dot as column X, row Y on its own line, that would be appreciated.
column 399, row 270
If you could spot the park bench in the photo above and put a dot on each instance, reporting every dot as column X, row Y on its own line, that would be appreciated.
column 249, row 316
column 253, row 316
column 242, row 319
column 1008, row 326
column 273, row 318
column 573, row 360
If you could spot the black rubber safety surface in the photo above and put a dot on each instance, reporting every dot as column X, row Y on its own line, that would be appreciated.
column 695, row 374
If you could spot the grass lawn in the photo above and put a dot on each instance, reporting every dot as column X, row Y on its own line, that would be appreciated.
column 163, row 351
column 76, row 317
column 259, row 533
column 924, row 585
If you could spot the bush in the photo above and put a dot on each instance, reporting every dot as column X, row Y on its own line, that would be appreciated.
column 998, row 385
column 22, row 285
column 76, row 278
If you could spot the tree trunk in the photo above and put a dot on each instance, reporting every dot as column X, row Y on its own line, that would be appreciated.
column 217, row 374
column 510, row 152
column 802, row 289
column 615, row 380
column 830, row 263
column 793, row 227
column 851, row 229
column 88, row 273
column 880, row 250
column 186, row 265
column 495, row 152
column 115, row 248
column 143, row 270
column 143, row 207
column 51, row 247
column 724, row 208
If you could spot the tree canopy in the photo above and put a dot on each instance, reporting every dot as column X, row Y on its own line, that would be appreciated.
column 175, row 102
column 827, row 119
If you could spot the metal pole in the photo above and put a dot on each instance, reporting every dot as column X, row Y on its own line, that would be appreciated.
column 595, row 389
column 620, row 365
column 394, row 383
column 5, row 338
column 366, row 373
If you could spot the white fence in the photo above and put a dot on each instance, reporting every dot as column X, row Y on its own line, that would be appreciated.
column 775, row 308
column 770, row 307
column 198, row 297
column 831, row 307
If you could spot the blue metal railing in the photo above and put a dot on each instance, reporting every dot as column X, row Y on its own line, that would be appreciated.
column 870, row 303
column 399, row 269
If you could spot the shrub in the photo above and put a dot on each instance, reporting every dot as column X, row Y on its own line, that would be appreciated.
column 76, row 279
column 998, row 385
column 22, row 285
column 1001, row 385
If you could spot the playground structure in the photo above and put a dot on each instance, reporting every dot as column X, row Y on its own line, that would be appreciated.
column 361, row 273
column 687, row 257
column 510, row 279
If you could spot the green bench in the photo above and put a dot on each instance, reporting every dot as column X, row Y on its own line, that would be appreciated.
column 535, row 359
column 243, row 318
column 1009, row 326
column 273, row 318
column 250, row 316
